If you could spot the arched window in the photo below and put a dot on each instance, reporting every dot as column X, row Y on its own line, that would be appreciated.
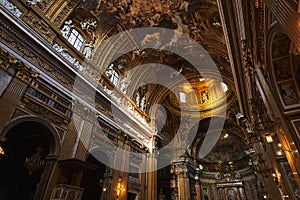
column 76, row 39
column 182, row 97
column 114, row 78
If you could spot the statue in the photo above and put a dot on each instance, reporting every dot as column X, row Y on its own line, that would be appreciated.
column 60, row 49
column 137, row 99
column 143, row 103
column 66, row 28
column 88, row 50
column 124, row 85
column 88, row 24
column 109, row 70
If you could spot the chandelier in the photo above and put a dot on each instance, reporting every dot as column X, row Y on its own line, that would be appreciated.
column 35, row 162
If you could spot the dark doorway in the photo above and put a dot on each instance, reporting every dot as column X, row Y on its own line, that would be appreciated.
column 27, row 146
column 131, row 196
column 164, row 189
column 91, row 181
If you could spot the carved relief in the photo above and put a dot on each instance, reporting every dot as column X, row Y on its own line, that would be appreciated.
column 39, row 26
column 45, row 113
column 65, row 12
column 44, row 5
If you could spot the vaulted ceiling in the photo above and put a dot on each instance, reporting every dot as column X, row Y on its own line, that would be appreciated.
column 199, row 20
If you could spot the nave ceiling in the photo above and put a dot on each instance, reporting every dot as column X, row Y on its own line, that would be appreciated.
column 198, row 20
column 206, row 95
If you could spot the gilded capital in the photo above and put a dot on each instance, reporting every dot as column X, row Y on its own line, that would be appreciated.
column 6, row 60
column 25, row 73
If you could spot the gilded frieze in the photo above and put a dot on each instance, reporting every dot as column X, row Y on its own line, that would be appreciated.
column 35, row 59
column 39, row 26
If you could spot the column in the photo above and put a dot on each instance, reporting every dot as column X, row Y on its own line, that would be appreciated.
column 78, row 133
column 198, row 190
column 119, row 178
column 67, row 149
column 151, row 179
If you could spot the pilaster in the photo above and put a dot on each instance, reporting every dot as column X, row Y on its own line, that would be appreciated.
column 14, row 91
column 182, row 169
column 151, row 178
column 264, row 170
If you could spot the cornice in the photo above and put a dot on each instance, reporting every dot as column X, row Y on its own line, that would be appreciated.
column 23, row 43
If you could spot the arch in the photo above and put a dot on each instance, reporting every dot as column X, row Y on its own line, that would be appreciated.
column 229, row 128
column 53, row 135
column 282, row 64
column 34, row 145
column 96, row 151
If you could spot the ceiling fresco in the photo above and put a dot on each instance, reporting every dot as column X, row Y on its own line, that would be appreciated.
column 200, row 21
column 228, row 148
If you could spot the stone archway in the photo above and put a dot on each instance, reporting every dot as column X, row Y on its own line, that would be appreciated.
column 31, row 145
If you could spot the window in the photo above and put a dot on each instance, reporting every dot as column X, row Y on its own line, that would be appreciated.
column 224, row 87
column 114, row 78
column 76, row 39
column 182, row 97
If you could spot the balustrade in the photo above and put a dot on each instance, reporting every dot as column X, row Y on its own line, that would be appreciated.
column 66, row 192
